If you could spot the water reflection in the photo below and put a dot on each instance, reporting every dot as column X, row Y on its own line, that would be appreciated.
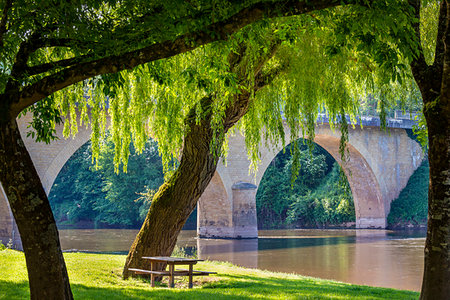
column 370, row 257
column 239, row 252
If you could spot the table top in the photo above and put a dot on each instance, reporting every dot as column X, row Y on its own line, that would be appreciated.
column 172, row 260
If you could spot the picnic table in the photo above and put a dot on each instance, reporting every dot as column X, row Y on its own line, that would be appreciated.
column 171, row 262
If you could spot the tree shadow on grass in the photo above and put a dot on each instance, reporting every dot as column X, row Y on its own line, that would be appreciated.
column 227, row 287
column 14, row 290
column 307, row 288
column 87, row 292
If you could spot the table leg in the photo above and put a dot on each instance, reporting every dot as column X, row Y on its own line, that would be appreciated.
column 171, row 279
column 152, row 276
column 191, row 268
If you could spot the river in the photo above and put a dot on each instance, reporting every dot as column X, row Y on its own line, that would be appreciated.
column 371, row 257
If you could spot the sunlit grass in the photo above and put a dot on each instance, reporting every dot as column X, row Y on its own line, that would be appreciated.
column 98, row 276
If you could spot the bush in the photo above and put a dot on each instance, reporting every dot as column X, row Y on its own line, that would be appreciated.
column 411, row 206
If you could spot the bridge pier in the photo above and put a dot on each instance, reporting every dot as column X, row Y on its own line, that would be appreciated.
column 221, row 216
column 366, row 223
column 244, row 210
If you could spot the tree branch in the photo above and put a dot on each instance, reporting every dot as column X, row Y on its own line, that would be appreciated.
column 440, row 42
column 4, row 20
column 445, row 87
column 187, row 42
column 418, row 62
column 46, row 67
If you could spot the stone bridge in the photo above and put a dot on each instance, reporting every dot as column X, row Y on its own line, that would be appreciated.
column 379, row 166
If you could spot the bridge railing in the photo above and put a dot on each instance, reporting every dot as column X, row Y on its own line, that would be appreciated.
column 405, row 121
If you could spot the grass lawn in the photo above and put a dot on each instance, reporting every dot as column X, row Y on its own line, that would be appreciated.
column 97, row 276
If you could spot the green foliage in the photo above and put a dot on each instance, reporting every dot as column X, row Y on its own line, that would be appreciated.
column 324, row 63
column 329, row 204
column 315, row 199
column 84, row 193
column 420, row 131
column 45, row 117
column 332, row 61
column 411, row 206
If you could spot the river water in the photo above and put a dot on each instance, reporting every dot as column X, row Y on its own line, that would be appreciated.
column 371, row 257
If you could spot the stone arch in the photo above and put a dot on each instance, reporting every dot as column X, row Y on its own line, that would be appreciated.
column 369, row 204
column 378, row 167
column 370, row 209
column 49, row 159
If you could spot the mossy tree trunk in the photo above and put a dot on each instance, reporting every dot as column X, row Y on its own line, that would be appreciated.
column 177, row 198
column 47, row 272
column 434, row 84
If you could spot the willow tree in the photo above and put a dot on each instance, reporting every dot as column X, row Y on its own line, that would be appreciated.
column 432, row 75
column 201, row 95
column 46, row 46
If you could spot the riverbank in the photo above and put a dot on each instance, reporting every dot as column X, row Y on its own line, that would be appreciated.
column 97, row 276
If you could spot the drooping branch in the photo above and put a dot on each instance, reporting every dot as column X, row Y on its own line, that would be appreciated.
column 112, row 64
column 4, row 20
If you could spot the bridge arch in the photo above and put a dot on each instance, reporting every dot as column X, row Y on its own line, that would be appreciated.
column 366, row 192
column 378, row 168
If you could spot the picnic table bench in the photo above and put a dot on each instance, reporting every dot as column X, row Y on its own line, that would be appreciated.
column 171, row 262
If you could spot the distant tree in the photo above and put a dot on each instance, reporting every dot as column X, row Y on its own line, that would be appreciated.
column 315, row 199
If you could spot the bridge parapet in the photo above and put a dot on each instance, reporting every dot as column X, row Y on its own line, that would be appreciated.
column 402, row 121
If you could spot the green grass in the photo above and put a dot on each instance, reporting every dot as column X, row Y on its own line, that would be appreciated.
column 97, row 276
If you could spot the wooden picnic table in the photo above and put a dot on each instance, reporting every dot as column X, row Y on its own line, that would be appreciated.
column 171, row 262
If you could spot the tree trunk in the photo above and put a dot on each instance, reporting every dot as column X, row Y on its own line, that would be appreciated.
column 436, row 277
column 177, row 198
column 47, row 272
column 434, row 84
